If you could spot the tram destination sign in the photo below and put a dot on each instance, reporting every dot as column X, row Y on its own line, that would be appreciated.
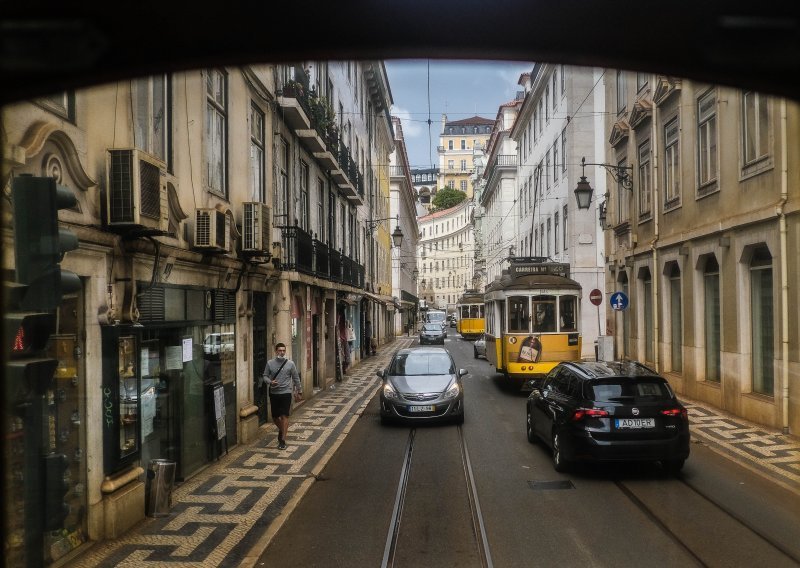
column 534, row 266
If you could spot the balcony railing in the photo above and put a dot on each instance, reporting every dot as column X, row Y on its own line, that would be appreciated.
column 322, row 260
column 299, row 247
column 306, row 254
column 336, row 265
column 504, row 160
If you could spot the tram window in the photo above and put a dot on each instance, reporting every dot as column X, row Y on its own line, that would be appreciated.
column 464, row 312
column 544, row 309
column 474, row 311
column 566, row 310
column 518, row 314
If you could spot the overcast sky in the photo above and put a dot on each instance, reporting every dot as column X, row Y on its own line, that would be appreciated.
column 460, row 89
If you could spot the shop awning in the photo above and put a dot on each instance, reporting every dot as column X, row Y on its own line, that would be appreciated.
column 387, row 301
column 348, row 297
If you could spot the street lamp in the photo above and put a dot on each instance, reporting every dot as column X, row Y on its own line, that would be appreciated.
column 415, row 274
column 583, row 191
column 397, row 234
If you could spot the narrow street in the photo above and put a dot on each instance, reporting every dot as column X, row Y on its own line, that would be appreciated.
column 716, row 514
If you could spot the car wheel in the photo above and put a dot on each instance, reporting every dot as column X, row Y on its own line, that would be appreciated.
column 475, row 351
column 529, row 427
column 559, row 463
column 673, row 467
column 385, row 420
column 459, row 418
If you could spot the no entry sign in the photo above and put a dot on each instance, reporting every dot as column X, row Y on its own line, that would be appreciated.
column 596, row 297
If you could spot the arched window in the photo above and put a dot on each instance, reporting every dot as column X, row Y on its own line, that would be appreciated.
column 762, row 321
column 675, row 317
column 711, row 312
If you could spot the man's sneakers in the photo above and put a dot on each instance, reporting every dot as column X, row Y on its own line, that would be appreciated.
column 281, row 444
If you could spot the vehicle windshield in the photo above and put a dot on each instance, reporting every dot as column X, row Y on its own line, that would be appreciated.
column 418, row 364
column 437, row 316
column 633, row 390
column 432, row 327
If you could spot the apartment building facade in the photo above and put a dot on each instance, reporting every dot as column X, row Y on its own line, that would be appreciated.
column 445, row 253
column 219, row 211
column 403, row 208
column 704, row 240
column 457, row 141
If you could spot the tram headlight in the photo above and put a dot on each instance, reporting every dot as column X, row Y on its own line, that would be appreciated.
column 452, row 391
column 389, row 393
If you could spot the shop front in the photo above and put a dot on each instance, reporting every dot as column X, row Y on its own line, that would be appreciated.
column 349, row 331
column 169, row 382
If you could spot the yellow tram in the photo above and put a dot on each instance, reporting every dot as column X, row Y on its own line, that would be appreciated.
column 469, row 311
column 532, row 319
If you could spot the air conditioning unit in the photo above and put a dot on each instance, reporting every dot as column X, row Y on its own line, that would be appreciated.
column 136, row 190
column 212, row 230
column 256, row 228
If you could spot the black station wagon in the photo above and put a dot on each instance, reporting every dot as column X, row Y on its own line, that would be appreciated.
column 608, row 411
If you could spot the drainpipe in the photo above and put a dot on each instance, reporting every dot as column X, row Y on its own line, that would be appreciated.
column 654, row 243
column 784, row 268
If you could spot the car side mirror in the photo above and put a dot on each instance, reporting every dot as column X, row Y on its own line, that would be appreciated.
column 379, row 372
column 462, row 372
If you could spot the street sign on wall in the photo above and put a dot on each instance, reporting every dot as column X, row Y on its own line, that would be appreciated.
column 618, row 301
column 596, row 297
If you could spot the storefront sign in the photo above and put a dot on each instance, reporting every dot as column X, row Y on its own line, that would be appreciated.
column 187, row 349
column 219, row 411
column 174, row 361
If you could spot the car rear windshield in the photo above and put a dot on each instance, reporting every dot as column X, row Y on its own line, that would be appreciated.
column 623, row 390
column 422, row 364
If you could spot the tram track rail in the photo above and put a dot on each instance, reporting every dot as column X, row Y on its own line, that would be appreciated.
column 478, row 526
column 697, row 555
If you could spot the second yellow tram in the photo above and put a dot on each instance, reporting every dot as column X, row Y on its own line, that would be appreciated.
column 470, row 322
column 532, row 319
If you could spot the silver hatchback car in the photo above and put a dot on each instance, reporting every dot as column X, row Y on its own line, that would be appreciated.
column 422, row 384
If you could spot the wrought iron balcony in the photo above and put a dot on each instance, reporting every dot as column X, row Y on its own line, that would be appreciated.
column 336, row 265
column 322, row 261
column 299, row 250
column 293, row 100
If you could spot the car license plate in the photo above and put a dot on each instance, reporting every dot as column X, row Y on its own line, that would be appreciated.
column 425, row 408
column 634, row 423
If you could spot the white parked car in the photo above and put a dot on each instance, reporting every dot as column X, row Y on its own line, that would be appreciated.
column 479, row 347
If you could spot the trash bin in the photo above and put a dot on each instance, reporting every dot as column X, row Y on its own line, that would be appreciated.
column 161, row 477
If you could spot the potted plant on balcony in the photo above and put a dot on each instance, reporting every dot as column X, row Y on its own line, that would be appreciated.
column 322, row 113
column 292, row 89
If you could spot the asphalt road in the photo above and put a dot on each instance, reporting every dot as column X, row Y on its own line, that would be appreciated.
column 715, row 514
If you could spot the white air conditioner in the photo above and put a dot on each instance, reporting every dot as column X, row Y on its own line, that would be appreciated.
column 256, row 227
column 212, row 230
column 136, row 190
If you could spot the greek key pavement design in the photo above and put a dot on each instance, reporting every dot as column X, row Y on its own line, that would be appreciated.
column 220, row 515
column 766, row 451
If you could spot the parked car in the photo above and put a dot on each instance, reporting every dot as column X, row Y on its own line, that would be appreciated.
column 432, row 333
column 608, row 411
column 422, row 383
column 479, row 347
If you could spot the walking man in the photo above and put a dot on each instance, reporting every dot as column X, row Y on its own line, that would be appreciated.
column 284, row 381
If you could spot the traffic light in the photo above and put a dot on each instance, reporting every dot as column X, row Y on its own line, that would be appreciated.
column 55, row 509
column 39, row 244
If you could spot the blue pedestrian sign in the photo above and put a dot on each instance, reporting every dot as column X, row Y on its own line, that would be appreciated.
column 618, row 301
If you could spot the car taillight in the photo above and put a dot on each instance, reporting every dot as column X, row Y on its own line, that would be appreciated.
column 676, row 412
column 581, row 413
